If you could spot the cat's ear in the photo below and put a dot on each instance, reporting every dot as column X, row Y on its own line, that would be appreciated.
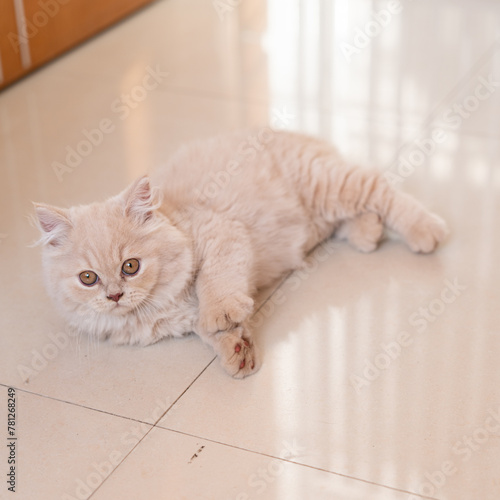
column 54, row 224
column 140, row 200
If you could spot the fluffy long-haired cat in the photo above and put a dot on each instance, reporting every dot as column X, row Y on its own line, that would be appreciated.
column 186, row 251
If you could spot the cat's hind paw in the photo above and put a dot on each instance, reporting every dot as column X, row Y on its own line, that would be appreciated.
column 363, row 232
column 426, row 233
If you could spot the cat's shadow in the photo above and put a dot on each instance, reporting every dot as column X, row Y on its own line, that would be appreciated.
column 342, row 296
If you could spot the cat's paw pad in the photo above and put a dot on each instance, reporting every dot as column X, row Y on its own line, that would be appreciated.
column 226, row 313
column 237, row 353
column 365, row 232
column 426, row 234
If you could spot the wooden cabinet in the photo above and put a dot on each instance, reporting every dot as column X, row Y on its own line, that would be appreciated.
column 32, row 32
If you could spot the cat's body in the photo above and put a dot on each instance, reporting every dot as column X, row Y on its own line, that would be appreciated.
column 237, row 212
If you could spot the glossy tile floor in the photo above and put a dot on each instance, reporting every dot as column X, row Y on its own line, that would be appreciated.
column 381, row 375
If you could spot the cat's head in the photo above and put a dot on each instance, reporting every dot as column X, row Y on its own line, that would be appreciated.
column 114, row 258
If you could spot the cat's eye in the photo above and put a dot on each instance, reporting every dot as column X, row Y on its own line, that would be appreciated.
column 130, row 267
column 88, row 278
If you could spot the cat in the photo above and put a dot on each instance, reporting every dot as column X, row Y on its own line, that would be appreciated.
column 187, row 249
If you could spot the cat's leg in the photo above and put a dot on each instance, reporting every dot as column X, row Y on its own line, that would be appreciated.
column 352, row 192
column 421, row 229
column 223, row 287
column 363, row 232
column 223, row 282
column 236, row 351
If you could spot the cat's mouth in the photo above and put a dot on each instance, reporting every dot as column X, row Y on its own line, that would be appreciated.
column 119, row 308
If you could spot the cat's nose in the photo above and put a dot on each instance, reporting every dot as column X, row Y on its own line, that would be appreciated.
column 116, row 296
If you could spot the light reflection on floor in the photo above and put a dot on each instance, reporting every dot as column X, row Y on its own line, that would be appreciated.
column 373, row 386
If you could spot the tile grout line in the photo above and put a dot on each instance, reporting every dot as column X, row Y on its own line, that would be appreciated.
column 125, row 417
column 154, row 426
column 278, row 287
column 292, row 462
column 184, row 391
column 20, row 389
column 121, row 461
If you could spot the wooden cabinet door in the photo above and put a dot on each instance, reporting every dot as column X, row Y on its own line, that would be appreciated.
column 32, row 32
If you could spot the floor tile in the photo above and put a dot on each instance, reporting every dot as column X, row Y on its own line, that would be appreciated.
column 63, row 451
column 173, row 465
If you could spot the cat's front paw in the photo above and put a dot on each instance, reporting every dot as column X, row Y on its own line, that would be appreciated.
column 237, row 353
column 426, row 233
column 225, row 313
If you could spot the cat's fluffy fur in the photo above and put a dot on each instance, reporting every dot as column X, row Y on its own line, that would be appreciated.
column 225, row 217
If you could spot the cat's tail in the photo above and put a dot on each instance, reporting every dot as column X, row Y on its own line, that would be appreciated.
column 365, row 192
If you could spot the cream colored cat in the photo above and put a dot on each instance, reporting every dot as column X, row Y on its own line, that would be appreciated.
column 225, row 217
